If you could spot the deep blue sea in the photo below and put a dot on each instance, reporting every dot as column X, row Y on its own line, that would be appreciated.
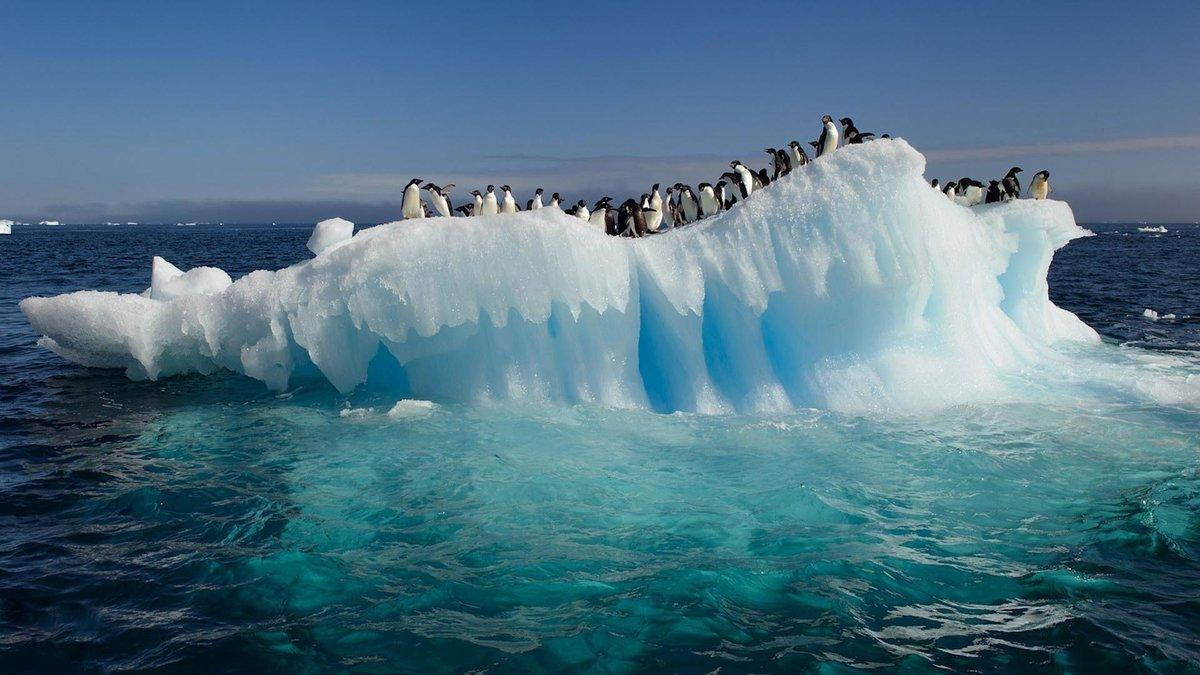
column 204, row 524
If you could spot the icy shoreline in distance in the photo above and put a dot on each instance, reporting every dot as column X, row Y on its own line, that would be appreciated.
column 849, row 285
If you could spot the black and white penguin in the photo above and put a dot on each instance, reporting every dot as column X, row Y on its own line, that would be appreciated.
column 783, row 162
column 994, row 192
column 410, row 207
column 536, row 202
column 438, row 198
column 508, row 204
column 581, row 211
column 745, row 177
column 671, row 216
column 828, row 140
column 722, row 191
column 632, row 219
column 477, row 207
column 851, row 133
column 971, row 190
column 599, row 215
column 708, row 200
column 489, row 207
column 689, row 206
column 949, row 190
column 934, row 184
column 1040, row 187
column 1012, row 184
column 763, row 179
column 556, row 201
column 654, row 219
column 798, row 156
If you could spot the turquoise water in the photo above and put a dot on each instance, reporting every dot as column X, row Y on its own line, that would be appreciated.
column 205, row 524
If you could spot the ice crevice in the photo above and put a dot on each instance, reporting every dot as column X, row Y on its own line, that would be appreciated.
column 848, row 285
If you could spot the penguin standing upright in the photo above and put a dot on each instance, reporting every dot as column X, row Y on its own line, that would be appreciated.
column 654, row 219
column 783, row 163
column 688, row 204
column 798, row 156
column 1040, row 187
column 670, row 210
column 828, row 141
column 599, row 217
column 1012, row 184
column 631, row 220
column 934, row 184
column 438, row 199
column 994, row 192
column 489, row 207
column 536, row 203
column 581, row 211
column 708, row 201
column 950, row 190
column 745, row 177
column 721, row 189
column 410, row 207
column 508, row 204
column 477, row 208
column 556, row 201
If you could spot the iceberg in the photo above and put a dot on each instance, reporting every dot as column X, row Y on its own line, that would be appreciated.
column 330, row 233
column 847, row 285
column 6, row 226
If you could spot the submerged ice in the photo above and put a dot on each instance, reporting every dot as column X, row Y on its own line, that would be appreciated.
column 849, row 285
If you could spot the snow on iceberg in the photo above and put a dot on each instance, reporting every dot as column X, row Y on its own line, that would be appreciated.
column 847, row 285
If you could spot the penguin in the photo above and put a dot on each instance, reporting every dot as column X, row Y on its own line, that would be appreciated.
column 436, row 196
column 798, row 156
column 783, row 163
column 688, row 205
column 828, row 141
column 851, row 133
column 949, row 191
column 528, row 204
column 745, row 177
column 508, row 204
column 1040, row 187
column 775, row 168
column 464, row 210
column 581, row 211
column 763, row 179
column 654, row 219
column 556, row 201
column 489, row 208
column 993, row 192
column 410, row 207
column 671, row 215
column 477, row 209
column 1012, row 184
column 599, row 215
column 610, row 220
column 934, row 184
column 708, row 201
column 536, row 202
column 972, row 191
column 724, row 201
column 631, row 221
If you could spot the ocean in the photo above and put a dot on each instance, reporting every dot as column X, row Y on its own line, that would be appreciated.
column 208, row 524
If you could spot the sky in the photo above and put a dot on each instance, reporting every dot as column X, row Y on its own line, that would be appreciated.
column 295, row 111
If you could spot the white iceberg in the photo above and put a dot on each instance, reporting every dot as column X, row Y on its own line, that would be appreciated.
column 330, row 233
column 1159, row 229
column 847, row 285
column 6, row 226
column 168, row 282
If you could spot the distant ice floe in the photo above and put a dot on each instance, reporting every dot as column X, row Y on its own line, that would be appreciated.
column 1154, row 316
column 847, row 285
column 1159, row 229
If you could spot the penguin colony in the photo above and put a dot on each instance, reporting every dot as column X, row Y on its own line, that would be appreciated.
column 683, row 205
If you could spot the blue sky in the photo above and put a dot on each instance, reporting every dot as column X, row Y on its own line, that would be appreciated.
column 286, row 111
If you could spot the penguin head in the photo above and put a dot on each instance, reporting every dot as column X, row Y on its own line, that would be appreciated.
column 846, row 121
column 813, row 143
column 1015, row 170
column 491, row 188
column 505, row 188
column 721, row 183
column 555, row 196
column 581, row 204
column 538, row 191
column 826, row 119
column 734, row 164
column 476, row 193
column 704, row 185
column 415, row 181
column 769, row 151
column 1044, row 174
column 655, row 188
